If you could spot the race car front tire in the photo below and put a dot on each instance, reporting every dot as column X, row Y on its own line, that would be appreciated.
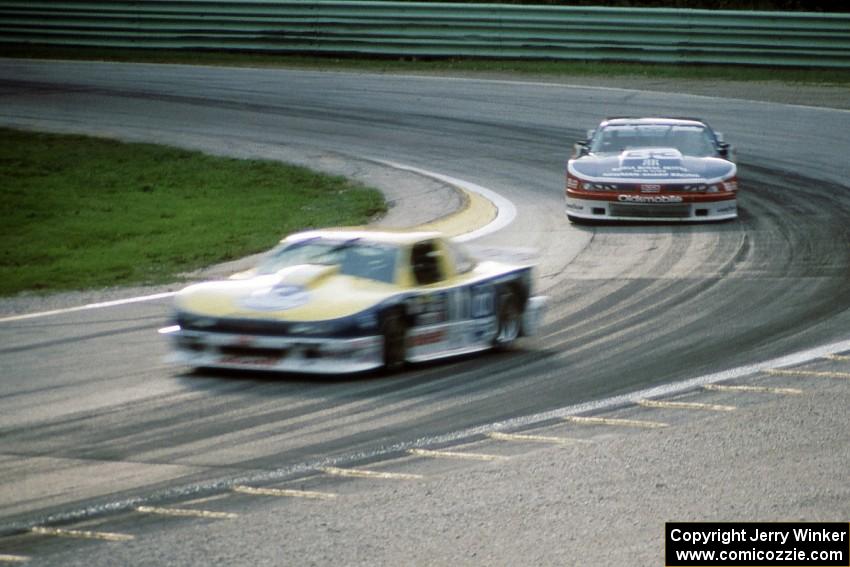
column 394, row 331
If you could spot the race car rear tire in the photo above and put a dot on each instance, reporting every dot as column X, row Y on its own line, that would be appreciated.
column 510, row 322
column 394, row 331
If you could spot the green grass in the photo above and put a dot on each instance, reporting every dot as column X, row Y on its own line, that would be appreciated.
column 546, row 68
column 79, row 212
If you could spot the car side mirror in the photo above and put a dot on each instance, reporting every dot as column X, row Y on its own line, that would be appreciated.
column 724, row 150
column 580, row 149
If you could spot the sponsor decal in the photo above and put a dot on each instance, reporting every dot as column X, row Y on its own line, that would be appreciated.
column 483, row 301
column 484, row 329
column 650, row 188
column 430, row 318
column 649, row 199
column 428, row 309
column 651, row 157
column 650, row 164
column 249, row 360
column 664, row 172
column 428, row 338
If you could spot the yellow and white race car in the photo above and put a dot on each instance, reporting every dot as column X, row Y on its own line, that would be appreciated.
column 351, row 300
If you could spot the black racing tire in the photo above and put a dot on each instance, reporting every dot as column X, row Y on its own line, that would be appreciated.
column 394, row 332
column 510, row 322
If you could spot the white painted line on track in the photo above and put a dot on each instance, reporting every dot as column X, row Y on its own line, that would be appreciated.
column 284, row 492
column 81, row 534
column 6, row 558
column 754, row 389
column 661, row 404
column 186, row 513
column 360, row 473
column 456, row 455
column 86, row 307
column 499, row 436
column 590, row 420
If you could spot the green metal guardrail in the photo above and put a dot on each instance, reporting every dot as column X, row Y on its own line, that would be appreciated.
column 420, row 29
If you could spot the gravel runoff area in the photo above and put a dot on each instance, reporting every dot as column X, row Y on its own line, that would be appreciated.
column 604, row 503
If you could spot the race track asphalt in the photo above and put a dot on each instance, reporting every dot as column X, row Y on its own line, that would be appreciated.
column 93, row 424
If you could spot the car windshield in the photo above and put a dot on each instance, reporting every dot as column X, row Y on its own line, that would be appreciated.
column 691, row 140
column 355, row 257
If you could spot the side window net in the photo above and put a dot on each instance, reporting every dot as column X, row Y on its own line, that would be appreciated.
column 426, row 263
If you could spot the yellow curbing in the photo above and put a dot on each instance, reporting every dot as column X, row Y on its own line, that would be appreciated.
column 284, row 492
column 807, row 373
column 81, row 534
column 499, row 436
column 477, row 212
column 661, row 404
column 361, row 473
column 592, row 420
column 456, row 455
column 754, row 389
column 6, row 558
column 186, row 513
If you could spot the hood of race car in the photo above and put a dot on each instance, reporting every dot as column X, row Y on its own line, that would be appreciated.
column 298, row 293
column 656, row 165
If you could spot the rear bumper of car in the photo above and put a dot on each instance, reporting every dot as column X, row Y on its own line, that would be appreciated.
column 660, row 208
column 200, row 349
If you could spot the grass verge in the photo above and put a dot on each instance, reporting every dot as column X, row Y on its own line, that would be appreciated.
column 550, row 68
column 79, row 212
